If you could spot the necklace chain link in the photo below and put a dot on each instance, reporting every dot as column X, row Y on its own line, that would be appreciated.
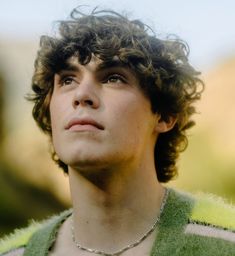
column 128, row 246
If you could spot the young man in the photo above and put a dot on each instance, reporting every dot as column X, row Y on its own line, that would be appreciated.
column 116, row 102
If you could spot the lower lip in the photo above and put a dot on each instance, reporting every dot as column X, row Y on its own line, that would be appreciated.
column 83, row 127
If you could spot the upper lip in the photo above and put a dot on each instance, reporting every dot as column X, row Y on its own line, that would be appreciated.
column 83, row 121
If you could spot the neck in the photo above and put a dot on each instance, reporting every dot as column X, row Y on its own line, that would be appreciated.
column 120, row 206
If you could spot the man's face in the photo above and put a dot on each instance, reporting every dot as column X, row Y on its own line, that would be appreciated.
column 99, row 116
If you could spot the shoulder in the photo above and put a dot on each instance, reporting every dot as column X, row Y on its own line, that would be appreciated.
column 196, row 225
column 206, row 209
column 17, row 240
column 213, row 211
column 14, row 252
column 213, row 218
column 15, row 243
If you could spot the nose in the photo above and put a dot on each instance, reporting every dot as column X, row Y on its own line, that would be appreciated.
column 86, row 94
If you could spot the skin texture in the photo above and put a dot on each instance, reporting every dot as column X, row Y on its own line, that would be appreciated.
column 111, row 98
column 111, row 162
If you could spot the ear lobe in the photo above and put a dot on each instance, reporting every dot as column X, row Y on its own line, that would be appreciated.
column 164, row 125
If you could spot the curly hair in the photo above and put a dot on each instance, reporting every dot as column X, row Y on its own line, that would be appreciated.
column 161, row 65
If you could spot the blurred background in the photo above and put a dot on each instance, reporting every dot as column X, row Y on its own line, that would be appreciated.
column 31, row 186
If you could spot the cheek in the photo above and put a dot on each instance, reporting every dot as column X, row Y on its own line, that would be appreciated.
column 54, row 115
column 127, row 121
column 57, row 112
column 137, row 121
column 58, row 109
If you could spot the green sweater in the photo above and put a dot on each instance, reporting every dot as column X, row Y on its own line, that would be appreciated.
column 189, row 226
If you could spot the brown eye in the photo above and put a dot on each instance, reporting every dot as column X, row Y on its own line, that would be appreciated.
column 67, row 80
column 115, row 78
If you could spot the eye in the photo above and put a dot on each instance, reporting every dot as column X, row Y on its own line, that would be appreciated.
column 66, row 80
column 115, row 78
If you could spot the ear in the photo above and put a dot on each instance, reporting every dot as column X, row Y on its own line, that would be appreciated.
column 162, row 125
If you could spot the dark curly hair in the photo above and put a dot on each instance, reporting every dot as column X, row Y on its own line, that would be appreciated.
column 161, row 65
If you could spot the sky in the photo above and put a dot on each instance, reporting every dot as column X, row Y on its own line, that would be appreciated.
column 206, row 25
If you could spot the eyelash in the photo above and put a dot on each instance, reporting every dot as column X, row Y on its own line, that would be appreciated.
column 65, row 78
column 116, row 77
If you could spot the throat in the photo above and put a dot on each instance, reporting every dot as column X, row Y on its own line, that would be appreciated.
column 117, row 233
column 109, row 216
column 100, row 179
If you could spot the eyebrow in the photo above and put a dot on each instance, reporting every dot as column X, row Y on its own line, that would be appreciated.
column 68, row 67
column 110, row 64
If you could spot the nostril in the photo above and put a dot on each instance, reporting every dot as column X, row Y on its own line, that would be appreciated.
column 76, row 103
column 89, row 102
column 83, row 102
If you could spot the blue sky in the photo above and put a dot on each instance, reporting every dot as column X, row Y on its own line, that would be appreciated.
column 206, row 25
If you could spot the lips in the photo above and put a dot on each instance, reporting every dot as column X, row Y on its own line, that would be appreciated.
column 83, row 123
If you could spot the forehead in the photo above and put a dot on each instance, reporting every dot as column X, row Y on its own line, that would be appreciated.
column 92, row 65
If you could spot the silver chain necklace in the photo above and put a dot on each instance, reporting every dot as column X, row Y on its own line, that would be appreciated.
column 128, row 246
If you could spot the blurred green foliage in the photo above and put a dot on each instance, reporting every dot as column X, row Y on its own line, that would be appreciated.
column 20, row 200
column 1, row 106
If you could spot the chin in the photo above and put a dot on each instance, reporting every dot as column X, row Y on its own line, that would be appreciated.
column 90, row 158
column 82, row 161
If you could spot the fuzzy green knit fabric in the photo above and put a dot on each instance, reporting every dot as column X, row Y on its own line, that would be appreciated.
column 171, row 238
column 26, row 236
column 181, row 211
column 214, row 210
column 44, row 238
column 19, row 238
